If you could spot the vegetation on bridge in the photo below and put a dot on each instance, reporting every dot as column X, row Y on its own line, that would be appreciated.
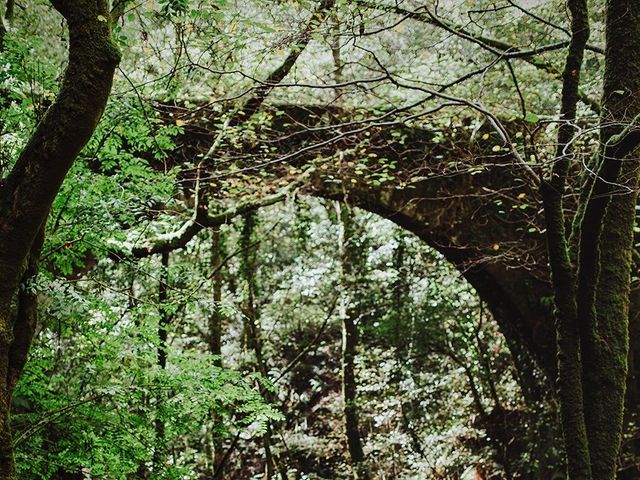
column 319, row 239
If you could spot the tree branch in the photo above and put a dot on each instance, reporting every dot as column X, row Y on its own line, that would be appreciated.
column 202, row 219
column 495, row 46
column 252, row 105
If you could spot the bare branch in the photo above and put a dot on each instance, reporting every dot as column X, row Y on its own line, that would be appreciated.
column 253, row 104
column 500, row 48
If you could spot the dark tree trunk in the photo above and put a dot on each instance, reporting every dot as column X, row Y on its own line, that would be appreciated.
column 28, row 191
column 607, row 312
column 350, row 259
column 164, row 319
column 592, row 304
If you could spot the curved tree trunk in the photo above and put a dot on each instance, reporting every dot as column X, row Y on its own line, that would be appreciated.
column 30, row 188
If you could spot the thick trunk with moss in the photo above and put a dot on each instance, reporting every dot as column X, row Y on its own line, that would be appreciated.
column 592, row 304
column 607, row 243
column 28, row 191
column 605, row 383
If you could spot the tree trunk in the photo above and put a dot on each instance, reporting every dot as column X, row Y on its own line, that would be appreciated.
column 214, row 337
column 163, row 329
column 254, row 336
column 28, row 191
column 592, row 304
column 349, row 259
column 607, row 242
column 24, row 316
column 215, row 318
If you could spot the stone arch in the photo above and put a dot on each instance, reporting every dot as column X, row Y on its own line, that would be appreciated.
column 452, row 185
column 517, row 296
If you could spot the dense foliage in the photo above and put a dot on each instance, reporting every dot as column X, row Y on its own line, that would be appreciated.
column 435, row 379
column 229, row 286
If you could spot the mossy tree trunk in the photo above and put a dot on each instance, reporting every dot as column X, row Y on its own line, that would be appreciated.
column 29, row 189
column 592, row 298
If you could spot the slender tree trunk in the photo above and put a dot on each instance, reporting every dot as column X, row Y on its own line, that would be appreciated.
column 404, row 332
column 570, row 385
column 400, row 290
column 254, row 335
column 349, row 389
column 347, row 311
column 214, row 336
column 163, row 329
column 215, row 318
column 349, row 256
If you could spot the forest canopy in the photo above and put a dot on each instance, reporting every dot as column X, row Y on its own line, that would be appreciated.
column 319, row 239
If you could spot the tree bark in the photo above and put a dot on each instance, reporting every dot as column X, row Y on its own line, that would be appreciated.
column 592, row 305
column 606, row 242
column 28, row 191
column 164, row 320
column 350, row 262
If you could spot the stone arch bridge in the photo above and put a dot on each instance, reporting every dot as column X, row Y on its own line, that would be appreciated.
column 452, row 184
